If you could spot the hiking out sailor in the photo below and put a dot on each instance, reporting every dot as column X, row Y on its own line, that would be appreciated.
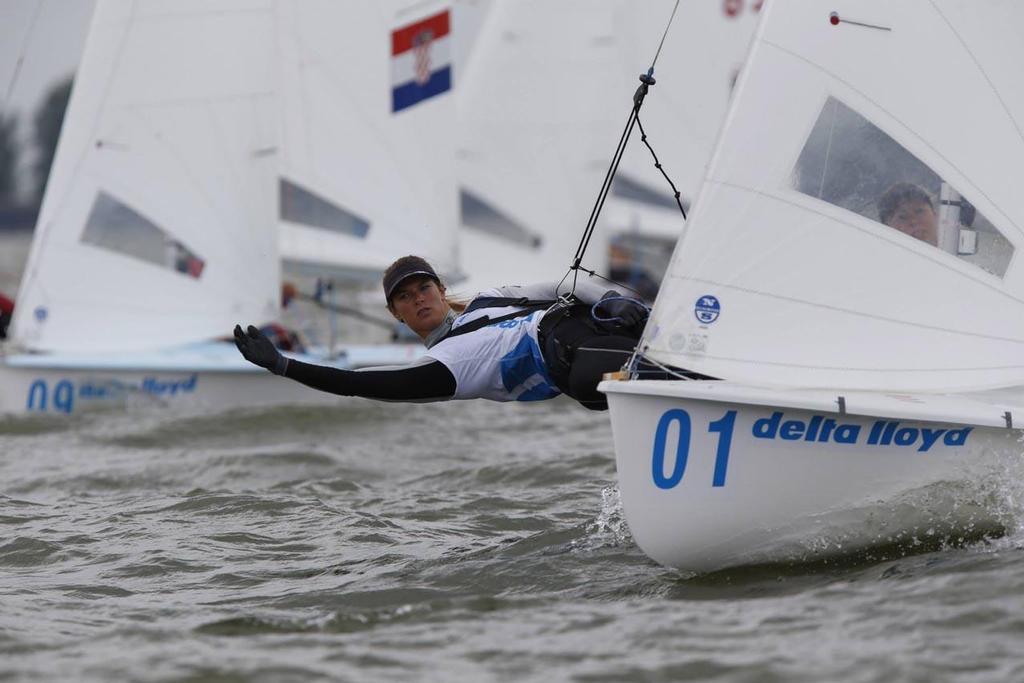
column 518, row 343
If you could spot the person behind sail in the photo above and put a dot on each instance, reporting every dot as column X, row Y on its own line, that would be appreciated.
column 508, row 344
column 282, row 336
column 909, row 209
column 6, row 312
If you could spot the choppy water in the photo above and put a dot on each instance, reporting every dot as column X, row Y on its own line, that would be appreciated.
column 447, row 542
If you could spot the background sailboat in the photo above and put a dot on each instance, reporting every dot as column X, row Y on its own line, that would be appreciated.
column 159, row 230
column 788, row 276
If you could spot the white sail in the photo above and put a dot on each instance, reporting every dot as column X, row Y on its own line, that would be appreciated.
column 366, row 177
column 157, row 226
column 535, row 135
column 695, row 72
column 789, row 271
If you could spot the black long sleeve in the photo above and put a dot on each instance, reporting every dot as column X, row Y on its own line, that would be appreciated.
column 424, row 381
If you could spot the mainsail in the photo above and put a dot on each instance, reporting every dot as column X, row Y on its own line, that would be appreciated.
column 794, row 271
column 367, row 163
column 157, row 226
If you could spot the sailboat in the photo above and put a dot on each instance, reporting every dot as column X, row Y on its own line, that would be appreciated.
column 860, row 364
column 160, row 225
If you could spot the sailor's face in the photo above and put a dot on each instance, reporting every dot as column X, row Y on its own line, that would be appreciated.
column 917, row 219
column 419, row 302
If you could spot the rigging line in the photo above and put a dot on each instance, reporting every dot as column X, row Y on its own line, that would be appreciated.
column 605, row 189
column 663, row 35
column 21, row 53
column 646, row 81
column 657, row 165
column 607, row 178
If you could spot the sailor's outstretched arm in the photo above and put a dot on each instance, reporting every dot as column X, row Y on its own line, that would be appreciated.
column 426, row 380
column 587, row 290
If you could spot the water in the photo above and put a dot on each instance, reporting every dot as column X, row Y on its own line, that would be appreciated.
column 444, row 542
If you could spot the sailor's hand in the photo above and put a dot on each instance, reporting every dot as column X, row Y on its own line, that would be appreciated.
column 624, row 310
column 259, row 350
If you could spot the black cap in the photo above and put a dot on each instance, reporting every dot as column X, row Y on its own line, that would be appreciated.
column 405, row 267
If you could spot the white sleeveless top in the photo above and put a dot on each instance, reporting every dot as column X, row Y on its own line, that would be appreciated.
column 500, row 362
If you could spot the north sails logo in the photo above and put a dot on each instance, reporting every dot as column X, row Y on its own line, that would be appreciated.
column 707, row 309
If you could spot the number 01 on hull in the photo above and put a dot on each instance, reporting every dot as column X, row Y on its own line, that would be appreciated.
column 714, row 474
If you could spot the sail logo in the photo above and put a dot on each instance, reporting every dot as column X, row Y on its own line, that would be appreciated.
column 707, row 309
column 420, row 61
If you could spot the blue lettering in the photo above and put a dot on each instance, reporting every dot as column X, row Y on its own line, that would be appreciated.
column 847, row 434
column 682, row 449
column 64, row 396
column 929, row 437
column 792, row 430
column 876, row 432
column 905, row 436
column 956, row 437
column 38, row 388
column 724, row 429
column 766, row 427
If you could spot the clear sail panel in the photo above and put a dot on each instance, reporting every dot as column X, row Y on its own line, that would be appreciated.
column 117, row 227
column 849, row 162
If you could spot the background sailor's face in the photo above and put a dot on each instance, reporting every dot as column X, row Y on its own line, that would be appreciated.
column 917, row 219
column 419, row 302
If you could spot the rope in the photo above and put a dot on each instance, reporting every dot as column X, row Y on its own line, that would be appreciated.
column 646, row 81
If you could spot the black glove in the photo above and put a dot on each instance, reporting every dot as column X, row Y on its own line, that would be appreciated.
column 259, row 350
column 628, row 312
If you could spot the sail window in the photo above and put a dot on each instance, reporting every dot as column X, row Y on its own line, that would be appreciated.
column 299, row 205
column 480, row 215
column 117, row 227
column 849, row 162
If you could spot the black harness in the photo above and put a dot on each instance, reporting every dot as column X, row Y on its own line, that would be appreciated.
column 564, row 327
column 528, row 306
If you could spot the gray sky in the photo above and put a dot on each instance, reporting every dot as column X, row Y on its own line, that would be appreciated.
column 40, row 44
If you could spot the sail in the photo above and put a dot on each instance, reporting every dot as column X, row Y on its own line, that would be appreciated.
column 535, row 134
column 695, row 72
column 157, row 226
column 367, row 163
column 802, row 264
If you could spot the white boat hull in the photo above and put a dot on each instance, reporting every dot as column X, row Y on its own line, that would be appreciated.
column 713, row 475
column 203, row 377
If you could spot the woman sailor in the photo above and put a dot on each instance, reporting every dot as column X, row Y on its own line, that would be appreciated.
column 508, row 344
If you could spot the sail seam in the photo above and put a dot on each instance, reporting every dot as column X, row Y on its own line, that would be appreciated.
column 984, row 74
column 861, row 314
